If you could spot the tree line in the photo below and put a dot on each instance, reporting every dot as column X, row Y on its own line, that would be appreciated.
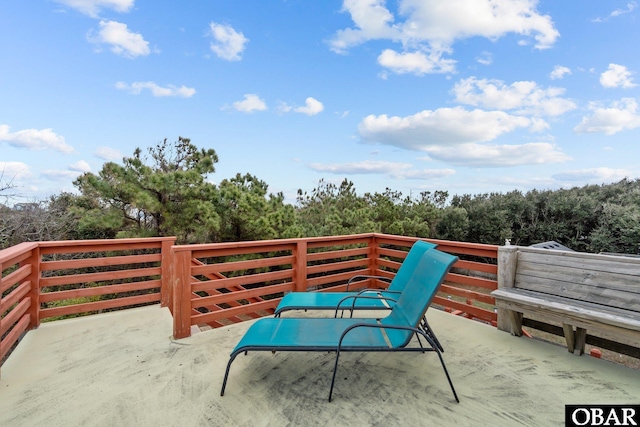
column 165, row 191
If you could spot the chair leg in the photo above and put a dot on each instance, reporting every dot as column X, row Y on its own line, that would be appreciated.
column 444, row 367
column 335, row 370
column 226, row 374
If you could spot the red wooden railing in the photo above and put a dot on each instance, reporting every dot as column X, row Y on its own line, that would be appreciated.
column 211, row 285
column 222, row 283
column 52, row 279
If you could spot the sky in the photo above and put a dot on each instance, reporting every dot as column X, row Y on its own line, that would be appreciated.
column 464, row 96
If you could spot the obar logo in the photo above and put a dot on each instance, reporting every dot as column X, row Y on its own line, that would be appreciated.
column 602, row 415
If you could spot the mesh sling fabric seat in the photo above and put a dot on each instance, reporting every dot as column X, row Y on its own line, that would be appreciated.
column 389, row 334
column 366, row 299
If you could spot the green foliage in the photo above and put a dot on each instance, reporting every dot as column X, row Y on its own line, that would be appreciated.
column 247, row 212
column 169, row 196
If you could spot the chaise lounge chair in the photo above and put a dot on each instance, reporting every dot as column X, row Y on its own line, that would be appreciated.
column 365, row 299
column 392, row 333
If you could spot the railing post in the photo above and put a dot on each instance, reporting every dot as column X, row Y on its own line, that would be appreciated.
column 507, row 260
column 374, row 254
column 181, row 284
column 300, row 274
column 34, row 293
column 165, row 263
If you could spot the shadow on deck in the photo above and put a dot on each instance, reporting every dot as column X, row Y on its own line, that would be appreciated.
column 123, row 368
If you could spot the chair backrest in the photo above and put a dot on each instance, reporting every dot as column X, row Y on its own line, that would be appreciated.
column 423, row 284
column 405, row 271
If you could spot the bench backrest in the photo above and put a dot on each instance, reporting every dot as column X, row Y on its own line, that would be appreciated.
column 607, row 280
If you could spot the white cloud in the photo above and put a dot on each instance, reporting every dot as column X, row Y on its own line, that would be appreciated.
column 60, row 175
column 619, row 12
column 394, row 170
column 621, row 115
column 486, row 58
column 419, row 63
column 35, row 139
column 485, row 155
column 617, row 76
column 559, row 72
column 311, row 108
column 80, row 166
column 108, row 153
column 122, row 41
column 251, row 102
column 435, row 25
column 594, row 175
column 524, row 97
column 158, row 91
column 228, row 43
column 14, row 170
column 448, row 126
column 93, row 7
column 70, row 173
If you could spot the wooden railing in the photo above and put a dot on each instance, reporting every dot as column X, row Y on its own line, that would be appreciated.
column 223, row 283
column 55, row 279
column 212, row 285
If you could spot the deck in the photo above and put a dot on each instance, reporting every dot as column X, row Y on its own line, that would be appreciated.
column 123, row 368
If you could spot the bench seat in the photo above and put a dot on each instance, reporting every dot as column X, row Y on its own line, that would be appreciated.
column 608, row 321
column 599, row 293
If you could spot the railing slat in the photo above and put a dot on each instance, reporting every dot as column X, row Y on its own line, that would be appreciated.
column 13, row 335
column 100, row 290
column 99, row 277
column 10, row 319
column 99, row 305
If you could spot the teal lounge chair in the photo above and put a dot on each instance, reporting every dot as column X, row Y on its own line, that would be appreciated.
column 365, row 299
column 392, row 333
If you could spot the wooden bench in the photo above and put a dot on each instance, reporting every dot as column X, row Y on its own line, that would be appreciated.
column 594, row 292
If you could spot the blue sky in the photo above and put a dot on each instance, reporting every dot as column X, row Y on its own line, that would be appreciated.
column 468, row 96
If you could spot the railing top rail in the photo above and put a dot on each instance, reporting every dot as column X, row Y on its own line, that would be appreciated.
column 13, row 251
column 103, row 241
column 267, row 243
column 323, row 239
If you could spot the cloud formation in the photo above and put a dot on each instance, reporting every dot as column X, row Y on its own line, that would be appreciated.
column 93, row 7
column 593, row 175
column 35, row 139
column 429, row 28
column 493, row 156
column 158, row 91
column 619, row 116
column 121, row 41
column 108, row 153
column 227, row 43
column 311, row 108
column 559, row 72
column 251, row 103
column 394, row 170
column 448, row 126
column 617, row 76
column 523, row 97
column 14, row 170
column 618, row 12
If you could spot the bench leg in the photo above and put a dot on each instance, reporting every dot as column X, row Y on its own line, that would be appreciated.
column 575, row 339
column 569, row 336
column 516, row 322
column 581, row 339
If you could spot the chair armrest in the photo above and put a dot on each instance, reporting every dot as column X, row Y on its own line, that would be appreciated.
column 357, row 297
column 361, row 277
column 381, row 326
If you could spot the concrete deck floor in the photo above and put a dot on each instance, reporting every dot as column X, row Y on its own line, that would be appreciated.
column 124, row 369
